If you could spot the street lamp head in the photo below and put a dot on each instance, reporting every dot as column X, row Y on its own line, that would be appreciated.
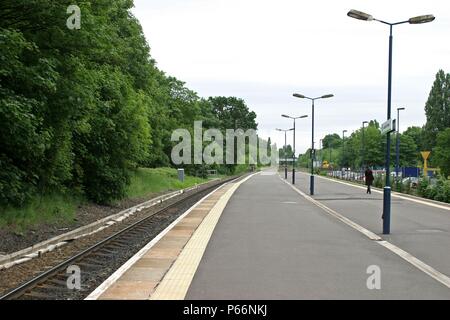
column 421, row 19
column 327, row 96
column 303, row 117
column 300, row 96
column 279, row 130
column 365, row 122
column 285, row 116
column 345, row 131
column 359, row 15
column 401, row 109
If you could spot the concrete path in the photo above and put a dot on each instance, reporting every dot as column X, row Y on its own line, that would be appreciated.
column 271, row 243
column 420, row 229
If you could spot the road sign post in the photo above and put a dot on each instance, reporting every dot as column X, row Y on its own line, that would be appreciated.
column 388, row 127
column 425, row 156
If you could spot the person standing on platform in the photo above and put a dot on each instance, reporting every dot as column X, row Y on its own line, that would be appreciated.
column 369, row 180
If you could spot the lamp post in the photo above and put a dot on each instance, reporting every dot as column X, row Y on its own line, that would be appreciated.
column 300, row 96
column 343, row 148
column 285, row 149
column 329, row 147
column 397, row 151
column 321, row 152
column 293, row 156
column 363, row 150
column 387, row 190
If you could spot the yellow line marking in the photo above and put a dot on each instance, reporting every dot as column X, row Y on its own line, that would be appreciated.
column 98, row 292
column 177, row 280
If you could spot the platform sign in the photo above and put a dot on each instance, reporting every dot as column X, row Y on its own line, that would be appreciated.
column 388, row 126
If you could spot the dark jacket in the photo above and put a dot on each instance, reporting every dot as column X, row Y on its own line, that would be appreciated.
column 369, row 177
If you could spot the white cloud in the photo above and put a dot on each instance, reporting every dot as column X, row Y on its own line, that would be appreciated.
column 264, row 50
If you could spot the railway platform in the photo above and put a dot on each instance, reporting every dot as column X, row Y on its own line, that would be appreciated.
column 261, row 238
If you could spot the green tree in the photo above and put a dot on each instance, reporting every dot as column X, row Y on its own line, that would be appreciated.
column 417, row 134
column 73, row 103
column 286, row 153
column 24, row 138
column 408, row 151
column 233, row 113
column 269, row 147
column 80, row 109
column 332, row 141
column 442, row 152
column 437, row 109
column 348, row 154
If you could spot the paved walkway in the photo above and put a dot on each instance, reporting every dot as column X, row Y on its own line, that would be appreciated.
column 417, row 227
column 138, row 277
column 272, row 243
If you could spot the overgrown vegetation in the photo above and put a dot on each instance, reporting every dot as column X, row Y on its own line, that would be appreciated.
column 440, row 191
column 81, row 110
column 48, row 209
column 145, row 182
column 56, row 208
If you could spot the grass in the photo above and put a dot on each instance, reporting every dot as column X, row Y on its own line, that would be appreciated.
column 55, row 209
column 51, row 209
column 145, row 182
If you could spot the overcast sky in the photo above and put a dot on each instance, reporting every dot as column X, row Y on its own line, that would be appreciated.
column 265, row 50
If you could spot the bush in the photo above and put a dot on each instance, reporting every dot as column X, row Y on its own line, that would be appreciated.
column 106, row 184
column 407, row 188
column 379, row 183
column 14, row 189
column 422, row 187
column 438, row 192
column 442, row 191
column 446, row 191
column 431, row 192
column 399, row 186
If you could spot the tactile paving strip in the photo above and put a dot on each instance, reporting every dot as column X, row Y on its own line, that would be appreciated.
column 176, row 282
column 141, row 279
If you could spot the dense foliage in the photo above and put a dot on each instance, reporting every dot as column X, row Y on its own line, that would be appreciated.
column 437, row 109
column 434, row 136
column 81, row 108
column 440, row 191
column 442, row 152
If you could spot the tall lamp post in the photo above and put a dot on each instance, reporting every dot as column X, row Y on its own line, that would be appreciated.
column 329, row 147
column 363, row 149
column 293, row 156
column 300, row 96
column 321, row 152
column 387, row 190
column 285, row 149
column 397, row 149
column 343, row 148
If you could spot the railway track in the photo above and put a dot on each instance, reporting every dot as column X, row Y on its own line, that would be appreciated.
column 99, row 260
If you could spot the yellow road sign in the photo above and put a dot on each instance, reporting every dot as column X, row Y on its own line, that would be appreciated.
column 425, row 154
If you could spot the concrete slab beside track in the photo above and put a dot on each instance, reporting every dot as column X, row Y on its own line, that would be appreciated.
column 262, row 239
